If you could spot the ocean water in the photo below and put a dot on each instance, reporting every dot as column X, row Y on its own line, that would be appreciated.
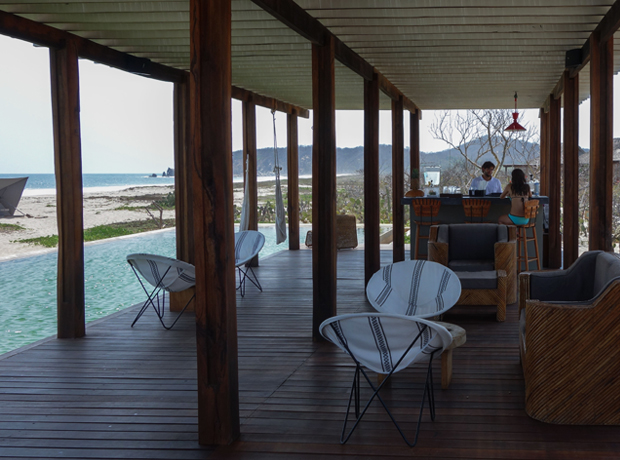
column 28, row 285
column 45, row 184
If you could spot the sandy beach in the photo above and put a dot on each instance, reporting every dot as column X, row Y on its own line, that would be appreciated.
column 100, row 208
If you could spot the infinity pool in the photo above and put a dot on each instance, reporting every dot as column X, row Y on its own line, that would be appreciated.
column 28, row 285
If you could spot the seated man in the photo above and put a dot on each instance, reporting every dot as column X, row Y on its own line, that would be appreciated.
column 487, row 182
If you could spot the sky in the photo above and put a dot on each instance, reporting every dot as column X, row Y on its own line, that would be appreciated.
column 127, row 121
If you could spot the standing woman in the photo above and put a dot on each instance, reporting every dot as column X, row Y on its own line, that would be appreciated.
column 518, row 191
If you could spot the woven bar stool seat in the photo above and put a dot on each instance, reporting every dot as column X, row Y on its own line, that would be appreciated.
column 476, row 210
column 531, row 211
column 426, row 210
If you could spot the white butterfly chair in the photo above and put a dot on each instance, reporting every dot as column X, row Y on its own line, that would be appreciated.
column 248, row 244
column 414, row 288
column 165, row 275
column 386, row 343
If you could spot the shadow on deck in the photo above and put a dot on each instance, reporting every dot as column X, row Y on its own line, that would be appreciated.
column 131, row 393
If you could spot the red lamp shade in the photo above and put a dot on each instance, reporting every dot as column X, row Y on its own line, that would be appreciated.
column 514, row 126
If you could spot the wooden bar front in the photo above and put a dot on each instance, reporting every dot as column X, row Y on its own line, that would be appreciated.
column 451, row 212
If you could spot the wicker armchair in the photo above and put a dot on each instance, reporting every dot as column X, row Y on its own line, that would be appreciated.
column 477, row 251
column 569, row 333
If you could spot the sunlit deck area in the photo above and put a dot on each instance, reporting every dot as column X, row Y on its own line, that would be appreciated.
column 131, row 393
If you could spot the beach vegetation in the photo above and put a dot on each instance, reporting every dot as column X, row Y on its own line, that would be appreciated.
column 102, row 232
column 8, row 228
column 49, row 241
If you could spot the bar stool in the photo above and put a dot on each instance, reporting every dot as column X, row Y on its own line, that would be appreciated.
column 477, row 209
column 531, row 211
column 424, row 208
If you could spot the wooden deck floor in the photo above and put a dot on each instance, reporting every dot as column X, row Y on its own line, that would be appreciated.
column 130, row 393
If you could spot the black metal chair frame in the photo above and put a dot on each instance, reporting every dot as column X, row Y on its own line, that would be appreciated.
column 245, row 274
column 355, row 392
column 160, row 307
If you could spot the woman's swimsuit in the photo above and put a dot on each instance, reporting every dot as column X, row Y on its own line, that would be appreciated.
column 518, row 220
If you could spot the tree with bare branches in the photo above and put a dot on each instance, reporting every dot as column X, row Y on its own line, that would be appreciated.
column 479, row 135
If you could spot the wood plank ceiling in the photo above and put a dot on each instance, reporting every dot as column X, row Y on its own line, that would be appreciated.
column 442, row 54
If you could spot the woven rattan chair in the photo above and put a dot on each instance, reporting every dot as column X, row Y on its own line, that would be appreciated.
column 569, row 331
column 476, row 210
column 385, row 343
column 426, row 210
column 531, row 211
column 165, row 275
column 483, row 256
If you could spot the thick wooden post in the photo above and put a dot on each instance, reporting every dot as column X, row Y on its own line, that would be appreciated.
column 601, row 142
column 323, row 185
column 555, row 184
column 250, row 164
column 292, row 180
column 372, row 253
column 544, row 153
column 414, row 149
column 571, row 169
column 68, row 170
column 183, row 190
column 216, row 319
column 398, row 178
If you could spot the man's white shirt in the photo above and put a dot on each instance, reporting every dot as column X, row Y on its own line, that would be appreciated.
column 491, row 186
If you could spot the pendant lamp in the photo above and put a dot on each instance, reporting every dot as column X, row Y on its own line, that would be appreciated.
column 515, row 126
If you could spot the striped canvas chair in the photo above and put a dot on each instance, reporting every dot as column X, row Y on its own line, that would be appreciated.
column 248, row 244
column 414, row 288
column 385, row 343
column 165, row 275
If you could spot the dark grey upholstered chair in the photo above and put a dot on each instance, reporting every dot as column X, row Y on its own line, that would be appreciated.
column 484, row 258
column 569, row 331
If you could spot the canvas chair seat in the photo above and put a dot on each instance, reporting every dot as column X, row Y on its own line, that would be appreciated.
column 165, row 275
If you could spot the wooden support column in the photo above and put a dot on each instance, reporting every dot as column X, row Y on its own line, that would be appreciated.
column 544, row 153
column 292, row 180
column 571, row 169
column 601, row 142
column 414, row 149
column 249, row 159
column 210, row 144
column 183, row 190
column 554, row 163
column 398, row 177
column 323, row 185
column 250, row 164
column 68, row 169
column 372, row 253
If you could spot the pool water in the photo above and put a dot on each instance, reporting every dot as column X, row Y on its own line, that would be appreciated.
column 28, row 285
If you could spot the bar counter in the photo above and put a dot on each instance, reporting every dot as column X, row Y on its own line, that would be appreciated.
column 451, row 212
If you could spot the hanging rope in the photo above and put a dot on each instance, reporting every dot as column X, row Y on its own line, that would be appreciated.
column 244, row 222
column 280, row 217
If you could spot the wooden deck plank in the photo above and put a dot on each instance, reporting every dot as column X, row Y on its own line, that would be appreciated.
column 124, row 392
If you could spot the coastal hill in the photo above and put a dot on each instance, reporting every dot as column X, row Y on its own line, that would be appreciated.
column 351, row 160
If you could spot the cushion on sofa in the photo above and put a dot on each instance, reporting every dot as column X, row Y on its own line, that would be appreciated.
column 471, row 265
column 478, row 280
column 472, row 241
column 607, row 268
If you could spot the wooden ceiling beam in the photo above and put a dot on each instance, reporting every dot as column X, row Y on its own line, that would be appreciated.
column 41, row 34
column 269, row 102
column 295, row 17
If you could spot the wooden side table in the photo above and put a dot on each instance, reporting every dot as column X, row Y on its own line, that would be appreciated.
column 458, row 338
